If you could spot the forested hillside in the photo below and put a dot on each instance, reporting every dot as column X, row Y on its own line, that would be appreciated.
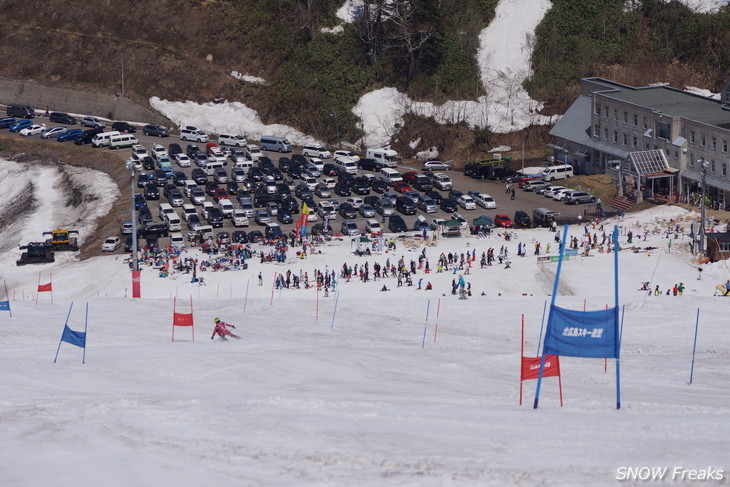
column 425, row 48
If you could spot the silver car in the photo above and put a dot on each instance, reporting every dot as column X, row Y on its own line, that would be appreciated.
column 367, row 211
column 385, row 207
column 197, row 196
column 53, row 132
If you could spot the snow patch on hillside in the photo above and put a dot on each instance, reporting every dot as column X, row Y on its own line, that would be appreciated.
column 505, row 48
column 227, row 117
column 247, row 78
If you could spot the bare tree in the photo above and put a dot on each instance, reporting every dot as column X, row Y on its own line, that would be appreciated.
column 409, row 34
column 372, row 18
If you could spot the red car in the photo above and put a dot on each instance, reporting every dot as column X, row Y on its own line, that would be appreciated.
column 401, row 187
column 220, row 194
column 503, row 221
column 408, row 177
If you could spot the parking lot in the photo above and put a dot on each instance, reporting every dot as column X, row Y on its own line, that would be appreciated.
column 524, row 201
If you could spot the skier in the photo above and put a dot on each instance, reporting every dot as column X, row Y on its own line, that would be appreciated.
column 462, row 287
column 221, row 329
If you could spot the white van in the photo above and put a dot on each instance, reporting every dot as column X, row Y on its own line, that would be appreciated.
column 390, row 176
column 172, row 220
column 204, row 230
column 212, row 167
column 252, row 152
column 346, row 166
column 234, row 140
column 165, row 209
column 278, row 144
column 316, row 150
column 187, row 210
column 122, row 141
column 226, row 207
column 192, row 133
column 103, row 138
column 245, row 165
column 387, row 157
column 239, row 218
column 207, row 206
column 177, row 240
column 552, row 173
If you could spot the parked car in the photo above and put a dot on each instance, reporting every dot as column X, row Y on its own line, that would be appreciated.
column 34, row 129
column 21, row 124
column 466, row 202
column 503, row 221
column 6, row 122
column 448, row 205
column 484, row 200
column 370, row 165
column 579, row 197
column 155, row 131
column 342, row 189
column 93, row 123
column 124, row 127
column 53, row 132
column 521, row 219
column 396, row 224
column 384, row 207
column 111, row 244
column 346, row 210
column 71, row 134
column 435, row 166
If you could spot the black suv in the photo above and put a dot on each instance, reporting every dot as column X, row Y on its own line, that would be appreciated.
column 521, row 219
column 86, row 136
column 60, row 117
column 396, row 224
column 123, row 127
column 155, row 131
column 370, row 165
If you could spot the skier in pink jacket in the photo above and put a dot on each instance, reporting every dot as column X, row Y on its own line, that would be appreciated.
column 221, row 329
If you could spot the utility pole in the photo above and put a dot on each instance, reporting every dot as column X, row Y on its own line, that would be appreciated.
column 135, row 261
column 703, row 165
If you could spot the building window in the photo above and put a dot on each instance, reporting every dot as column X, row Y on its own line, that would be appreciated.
column 712, row 167
column 635, row 142
column 676, row 154
column 724, row 169
column 691, row 162
column 626, row 139
column 691, row 136
column 663, row 131
column 596, row 130
column 646, row 145
column 615, row 113
column 605, row 133
column 598, row 108
column 714, row 143
column 636, row 120
column 615, row 137
column 605, row 111
column 702, row 139
column 724, row 146
column 626, row 117
column 646, row 123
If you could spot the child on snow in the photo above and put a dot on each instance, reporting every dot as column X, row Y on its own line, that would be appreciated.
column 221, row 329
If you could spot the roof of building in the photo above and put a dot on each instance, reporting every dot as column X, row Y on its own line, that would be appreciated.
column 575, row 126
column 651, row 163
column 669, row 101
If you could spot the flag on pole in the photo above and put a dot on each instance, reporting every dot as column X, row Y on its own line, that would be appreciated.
column 77, row 338
column 304, row 219
column 531, row 367
column 42, row 288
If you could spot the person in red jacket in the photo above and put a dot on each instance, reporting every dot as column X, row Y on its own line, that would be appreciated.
column 221, row 329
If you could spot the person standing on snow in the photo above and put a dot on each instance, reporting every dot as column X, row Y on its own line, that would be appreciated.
column 221, row 329
column 462, row 287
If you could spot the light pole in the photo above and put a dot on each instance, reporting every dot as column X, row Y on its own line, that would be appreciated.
column 703, row 165
column 136, row 293
column 337, row 129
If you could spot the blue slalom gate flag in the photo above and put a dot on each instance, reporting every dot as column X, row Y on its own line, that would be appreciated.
column 77, row 338
column 591, row 334
column 4, row 305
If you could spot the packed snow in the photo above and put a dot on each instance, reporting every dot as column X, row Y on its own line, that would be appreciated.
column 247, row 78
column 350, row 11
column 404, row 387
column 227, row 117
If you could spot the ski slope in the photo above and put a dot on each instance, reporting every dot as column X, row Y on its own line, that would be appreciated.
column 362, row 399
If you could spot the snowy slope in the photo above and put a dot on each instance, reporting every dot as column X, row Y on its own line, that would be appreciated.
column 358, row 401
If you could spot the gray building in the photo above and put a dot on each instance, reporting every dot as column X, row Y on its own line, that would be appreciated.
column 610, row 120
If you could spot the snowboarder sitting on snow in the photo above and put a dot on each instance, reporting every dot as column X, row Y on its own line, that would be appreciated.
column 221, row 329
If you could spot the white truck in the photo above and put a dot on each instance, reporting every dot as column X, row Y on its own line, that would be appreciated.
column 387, row 157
